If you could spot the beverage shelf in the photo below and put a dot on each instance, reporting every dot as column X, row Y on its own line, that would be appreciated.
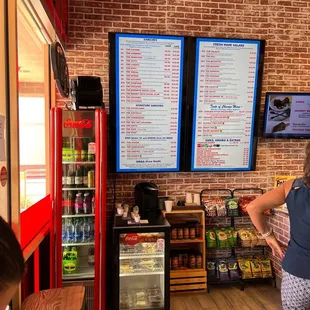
column 76, row 215
column 78, row 162
column 78, row 188
column 135, row 256
column 79, row 244
column 133, row 274
column 187, row 241
column 82, row 273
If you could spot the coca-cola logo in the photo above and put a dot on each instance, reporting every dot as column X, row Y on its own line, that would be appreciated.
column 132, row 239
column 83, row 123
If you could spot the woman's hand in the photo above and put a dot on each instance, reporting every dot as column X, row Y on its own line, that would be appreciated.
column 275, row 246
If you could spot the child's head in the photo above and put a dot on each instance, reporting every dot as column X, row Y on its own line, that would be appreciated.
column 12, row 264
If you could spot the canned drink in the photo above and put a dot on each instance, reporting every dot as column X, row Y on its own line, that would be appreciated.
column 180, row 259
column 91, row 178
column 180, row 233
column 175, row 262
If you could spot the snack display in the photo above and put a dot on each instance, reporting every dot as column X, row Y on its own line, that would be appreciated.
column 221, row 238
column 223, row 270
column 257, row 267
column 215, row 206
column 142, row 298
column 250, row 237
column 141, row 266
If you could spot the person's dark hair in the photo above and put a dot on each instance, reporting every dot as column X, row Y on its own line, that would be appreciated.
column 306, row 178
column 12, row 264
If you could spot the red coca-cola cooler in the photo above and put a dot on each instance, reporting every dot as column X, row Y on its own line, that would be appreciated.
column 78, row 193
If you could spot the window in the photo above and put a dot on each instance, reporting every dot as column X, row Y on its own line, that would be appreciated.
column 33, row 108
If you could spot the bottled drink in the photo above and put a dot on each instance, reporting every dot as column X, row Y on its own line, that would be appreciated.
column 85, row 177
column 78, row 205
column 87, row 204
column 91, row 150
column 84, row 151
column 91, row 256
column 86, row 231
column 93, row 204
column 69, row 203
column 63, row 202
column 64, row 231
column 67, row 154
column 92, row 229
column 91, row 179
column 64, row 176
column 70, row 178
column 70, row 231
column 78, row 180
column 78, row 233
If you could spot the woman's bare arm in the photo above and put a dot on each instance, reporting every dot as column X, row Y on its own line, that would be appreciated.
column 270, row 200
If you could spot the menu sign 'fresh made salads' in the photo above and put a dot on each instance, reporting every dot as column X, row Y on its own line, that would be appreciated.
column 148, row 102
column 226, row 78
column 287, row 115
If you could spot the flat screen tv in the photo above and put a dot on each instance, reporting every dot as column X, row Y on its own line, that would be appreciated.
column 287, row 115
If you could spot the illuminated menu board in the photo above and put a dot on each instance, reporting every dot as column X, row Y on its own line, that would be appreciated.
column 148, row 102
column 226, row 77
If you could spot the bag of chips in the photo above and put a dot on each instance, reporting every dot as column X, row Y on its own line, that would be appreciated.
column 256, row 268
column 223, row 270
column 232, row 206
column 221, row 238
column 245, row 268
column 261, row 241
column 212, row 270
column 243, row 202
column 220, row 207
column 233, row 269
column 210, row 207
column 253, row 237
column 245, row 240
column 266, row 268
column 211, row 239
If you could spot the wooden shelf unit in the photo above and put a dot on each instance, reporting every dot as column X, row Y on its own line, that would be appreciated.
column 188, row 279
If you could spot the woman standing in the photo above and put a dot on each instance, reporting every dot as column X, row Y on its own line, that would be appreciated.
column 295, row 288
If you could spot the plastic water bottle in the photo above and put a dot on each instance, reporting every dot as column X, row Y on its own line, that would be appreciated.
column 92, row 229
column 86, row 231
column 78, row 234
column 64, row 231
column 70, row 232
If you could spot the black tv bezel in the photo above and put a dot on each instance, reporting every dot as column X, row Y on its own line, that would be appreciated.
column 112, row 105
column 281, row 136
column 252, row 165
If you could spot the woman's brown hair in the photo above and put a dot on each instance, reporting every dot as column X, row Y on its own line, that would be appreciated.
column 306, row 179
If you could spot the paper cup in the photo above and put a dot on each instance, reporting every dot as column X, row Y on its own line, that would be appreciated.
column 168, row 205
column 197, row 199
column 189, row 198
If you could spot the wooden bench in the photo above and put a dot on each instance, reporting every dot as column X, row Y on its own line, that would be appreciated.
column 69, row 298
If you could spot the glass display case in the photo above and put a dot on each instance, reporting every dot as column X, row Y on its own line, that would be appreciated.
column 78, row 183
column 142, row 266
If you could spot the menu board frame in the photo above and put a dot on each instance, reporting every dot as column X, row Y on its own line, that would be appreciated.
column 194, row 51
column 114, row 147
column 276, row 135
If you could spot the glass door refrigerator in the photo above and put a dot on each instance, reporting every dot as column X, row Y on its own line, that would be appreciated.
column 78, row 193
column 141, row 265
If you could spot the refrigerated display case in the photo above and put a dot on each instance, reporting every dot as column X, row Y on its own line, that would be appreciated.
column 78, row 193
column 141, row 265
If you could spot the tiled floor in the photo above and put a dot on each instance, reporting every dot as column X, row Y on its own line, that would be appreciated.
column 256, row 297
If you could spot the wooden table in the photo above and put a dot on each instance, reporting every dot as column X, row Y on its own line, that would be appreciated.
column 69, row 298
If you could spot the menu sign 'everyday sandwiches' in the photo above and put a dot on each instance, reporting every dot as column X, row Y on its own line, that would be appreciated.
column 148, row 102
column 225, row 96
column 287, row 115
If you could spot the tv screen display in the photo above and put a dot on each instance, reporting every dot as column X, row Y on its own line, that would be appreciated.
column 148, row 101
column 228, row 76
column 287, row 115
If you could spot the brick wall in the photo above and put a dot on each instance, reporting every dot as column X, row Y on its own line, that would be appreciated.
column 283, row 24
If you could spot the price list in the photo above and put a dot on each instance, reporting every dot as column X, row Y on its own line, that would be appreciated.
column 224, row 105
column 149, row 85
